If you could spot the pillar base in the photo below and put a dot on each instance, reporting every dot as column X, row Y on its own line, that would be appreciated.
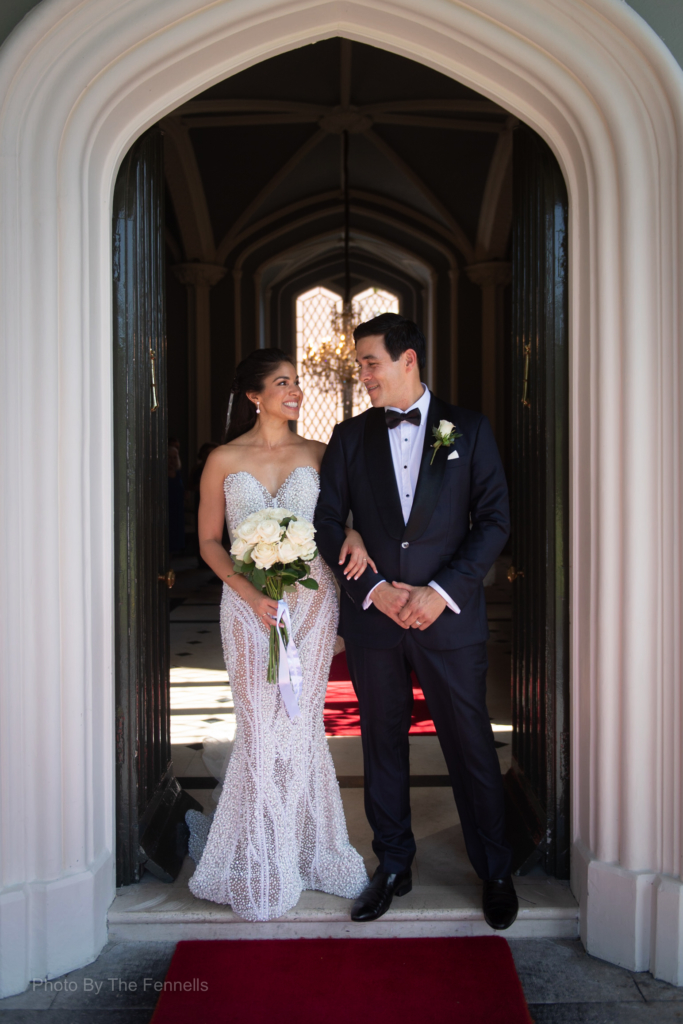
column 630, row 918
column 50, row 928
column 667, row 953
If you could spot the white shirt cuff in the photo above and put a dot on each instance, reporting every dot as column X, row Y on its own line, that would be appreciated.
column 449, row 600
column 367, row 602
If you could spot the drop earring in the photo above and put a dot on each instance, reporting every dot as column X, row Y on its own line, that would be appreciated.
column 258, row 407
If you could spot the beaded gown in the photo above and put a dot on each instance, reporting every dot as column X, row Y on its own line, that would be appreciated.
column 279, row 827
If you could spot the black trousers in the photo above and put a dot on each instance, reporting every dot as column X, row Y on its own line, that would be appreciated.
column 454, row 684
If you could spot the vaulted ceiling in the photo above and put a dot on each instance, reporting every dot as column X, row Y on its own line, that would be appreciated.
column 257, row 157
column 254, row 175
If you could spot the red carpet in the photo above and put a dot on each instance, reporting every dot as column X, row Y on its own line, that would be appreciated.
column 341, row 704
column 343, row 981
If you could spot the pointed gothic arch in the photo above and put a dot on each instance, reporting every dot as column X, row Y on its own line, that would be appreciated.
column 80, row 80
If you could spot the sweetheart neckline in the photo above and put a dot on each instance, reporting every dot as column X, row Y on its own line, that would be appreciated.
column 273, row 497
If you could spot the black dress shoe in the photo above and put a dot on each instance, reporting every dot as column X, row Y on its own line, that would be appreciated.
column 376, row 898
column 500, row 903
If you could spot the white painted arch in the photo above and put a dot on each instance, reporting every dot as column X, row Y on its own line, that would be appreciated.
column 79, row 80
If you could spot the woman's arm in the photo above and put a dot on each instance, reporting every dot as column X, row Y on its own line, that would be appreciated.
column 210, row 521
column 353, row 545
column 359, row 558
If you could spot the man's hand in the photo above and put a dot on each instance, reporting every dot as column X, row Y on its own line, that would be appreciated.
column 388, row 600
column 423, row 607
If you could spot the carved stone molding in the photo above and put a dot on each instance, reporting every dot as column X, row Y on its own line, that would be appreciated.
column 199, row 274
column 495, row 273
column 80, row 80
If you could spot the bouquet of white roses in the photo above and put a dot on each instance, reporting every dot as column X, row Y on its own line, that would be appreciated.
column 274, row 548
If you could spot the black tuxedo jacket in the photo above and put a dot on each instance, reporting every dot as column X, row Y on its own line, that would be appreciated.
column 458, row 524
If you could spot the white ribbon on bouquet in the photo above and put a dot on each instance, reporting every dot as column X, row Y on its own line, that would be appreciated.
column 290, row 675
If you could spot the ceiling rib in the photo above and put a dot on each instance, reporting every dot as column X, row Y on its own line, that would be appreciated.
column 283, row 211
column 234, row 120
column 439, row 122
column 380, row 241
column 495, row 216
column 335, row 195
column 345, row 73
column 250, row 107
column 187, row 192
column 309, row 218
column 406, row 211
column 459, row 236
column 454, row 106
column 243, row 219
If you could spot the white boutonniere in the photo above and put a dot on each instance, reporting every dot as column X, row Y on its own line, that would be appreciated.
column 444, row 435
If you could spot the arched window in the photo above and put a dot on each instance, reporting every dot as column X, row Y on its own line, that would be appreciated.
column 374, row 301
column 314, row 309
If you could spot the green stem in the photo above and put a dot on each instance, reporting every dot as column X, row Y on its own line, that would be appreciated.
column 274, row 588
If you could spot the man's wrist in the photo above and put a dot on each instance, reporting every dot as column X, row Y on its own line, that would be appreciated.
column 450, row 603
column 369, row 598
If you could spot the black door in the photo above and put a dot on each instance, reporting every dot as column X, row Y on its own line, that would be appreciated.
column 538, row 782
column 150, row 806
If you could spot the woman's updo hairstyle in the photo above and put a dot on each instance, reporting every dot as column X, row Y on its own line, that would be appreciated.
column 249, row 376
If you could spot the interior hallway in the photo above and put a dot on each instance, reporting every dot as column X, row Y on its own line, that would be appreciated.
column 446, row 897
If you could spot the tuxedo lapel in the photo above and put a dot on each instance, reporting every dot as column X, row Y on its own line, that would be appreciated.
column 430, row 478
column 381, row 472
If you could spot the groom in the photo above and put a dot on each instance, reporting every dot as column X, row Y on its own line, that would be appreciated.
column 434, row 521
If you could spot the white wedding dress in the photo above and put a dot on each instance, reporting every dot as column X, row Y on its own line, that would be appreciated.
column 279, row 827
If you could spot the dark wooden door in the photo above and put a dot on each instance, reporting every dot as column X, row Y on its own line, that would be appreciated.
column 539, row 779
column 150, row 806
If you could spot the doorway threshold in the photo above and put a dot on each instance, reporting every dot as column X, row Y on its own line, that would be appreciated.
column 154, row 910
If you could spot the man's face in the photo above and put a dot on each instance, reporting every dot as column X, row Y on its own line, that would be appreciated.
column 384, row 379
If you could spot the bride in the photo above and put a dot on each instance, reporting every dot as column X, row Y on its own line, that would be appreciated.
column 279, row 827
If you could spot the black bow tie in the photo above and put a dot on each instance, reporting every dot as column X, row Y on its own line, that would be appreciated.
column 393, row 418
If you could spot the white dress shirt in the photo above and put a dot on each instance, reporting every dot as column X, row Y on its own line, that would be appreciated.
column 407, row 442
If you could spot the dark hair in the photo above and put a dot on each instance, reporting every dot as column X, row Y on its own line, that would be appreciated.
column 249, row 376
column 399, row 333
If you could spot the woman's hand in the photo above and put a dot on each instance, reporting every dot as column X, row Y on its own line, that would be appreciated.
column 354, row 549
column 264, row 607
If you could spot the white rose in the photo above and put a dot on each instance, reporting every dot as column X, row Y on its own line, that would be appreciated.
column 265, row 555
column 280, row 513
column 309, row 553
column 301, row 532
column 261, row 513
column 269, row 531
column 287, row 552
column 248, row 531
column 240, row 549
column 445, row 427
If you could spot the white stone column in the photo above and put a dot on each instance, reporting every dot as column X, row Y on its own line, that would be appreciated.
column 200, row 279
column 492, row 277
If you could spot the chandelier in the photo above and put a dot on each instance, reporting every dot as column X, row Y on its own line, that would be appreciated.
column 331, row 361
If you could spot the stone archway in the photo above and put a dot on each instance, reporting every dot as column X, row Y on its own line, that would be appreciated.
column 80, row 81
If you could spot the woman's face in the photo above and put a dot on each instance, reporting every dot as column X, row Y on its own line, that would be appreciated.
column 281, row 396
